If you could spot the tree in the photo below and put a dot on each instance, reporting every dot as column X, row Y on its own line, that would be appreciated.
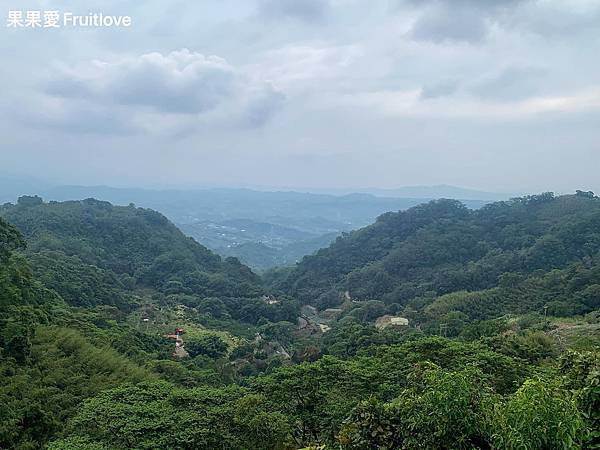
column 369, row 426
column 209, row 345
column 158, row 415
column 581, row 373
column 10, row 240
column 540, row 415
column 18, row 347
column 442, row 410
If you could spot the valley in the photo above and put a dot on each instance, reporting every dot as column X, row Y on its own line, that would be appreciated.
column 113, row 315
column 300, row 225
column 264, row 229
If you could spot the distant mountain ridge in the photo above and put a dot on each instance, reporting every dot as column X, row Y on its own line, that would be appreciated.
column 440, row 191
column 421, row 191
column 263, row 228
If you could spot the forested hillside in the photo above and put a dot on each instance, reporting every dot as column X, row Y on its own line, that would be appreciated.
column 92, row 252
column 500, row 349
column 441, row 258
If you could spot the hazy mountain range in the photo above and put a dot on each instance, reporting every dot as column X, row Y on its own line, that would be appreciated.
column 263, row 228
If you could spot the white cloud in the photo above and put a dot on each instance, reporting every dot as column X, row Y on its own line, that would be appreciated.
column 409, row 104
column 157, row 92
column 294, row 66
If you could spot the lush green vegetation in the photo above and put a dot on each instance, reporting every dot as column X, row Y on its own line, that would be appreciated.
column 94, row 253
column 501, row 350
column 411, row 259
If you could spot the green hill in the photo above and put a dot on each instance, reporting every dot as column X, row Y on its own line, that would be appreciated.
column 92, row 252
column 126, row 240
column 89, row 293
column 442, row 247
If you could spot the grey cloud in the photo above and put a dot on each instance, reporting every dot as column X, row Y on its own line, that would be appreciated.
column 512, row 83
column 442, row 89
column 476, row 4
column 470, row 20
column 556, row 20
column 78, row 118
column 458, row 20
column 67, row 86
column 304, row 10
column 180, row 83
column 263, row 106
column 350, row 90
column 441, row 24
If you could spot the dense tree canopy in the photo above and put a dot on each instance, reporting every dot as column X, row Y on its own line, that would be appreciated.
column 92, row 252
column 482, row 263
column 116, row 331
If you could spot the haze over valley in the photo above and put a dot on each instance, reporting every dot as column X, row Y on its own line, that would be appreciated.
column 264, row 229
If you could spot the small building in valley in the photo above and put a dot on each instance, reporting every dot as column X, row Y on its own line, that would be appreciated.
column 390, row 321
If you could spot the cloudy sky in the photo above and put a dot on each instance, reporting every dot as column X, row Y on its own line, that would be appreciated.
column 498, row 95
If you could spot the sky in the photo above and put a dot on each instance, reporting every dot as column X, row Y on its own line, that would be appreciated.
column 496, row 95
